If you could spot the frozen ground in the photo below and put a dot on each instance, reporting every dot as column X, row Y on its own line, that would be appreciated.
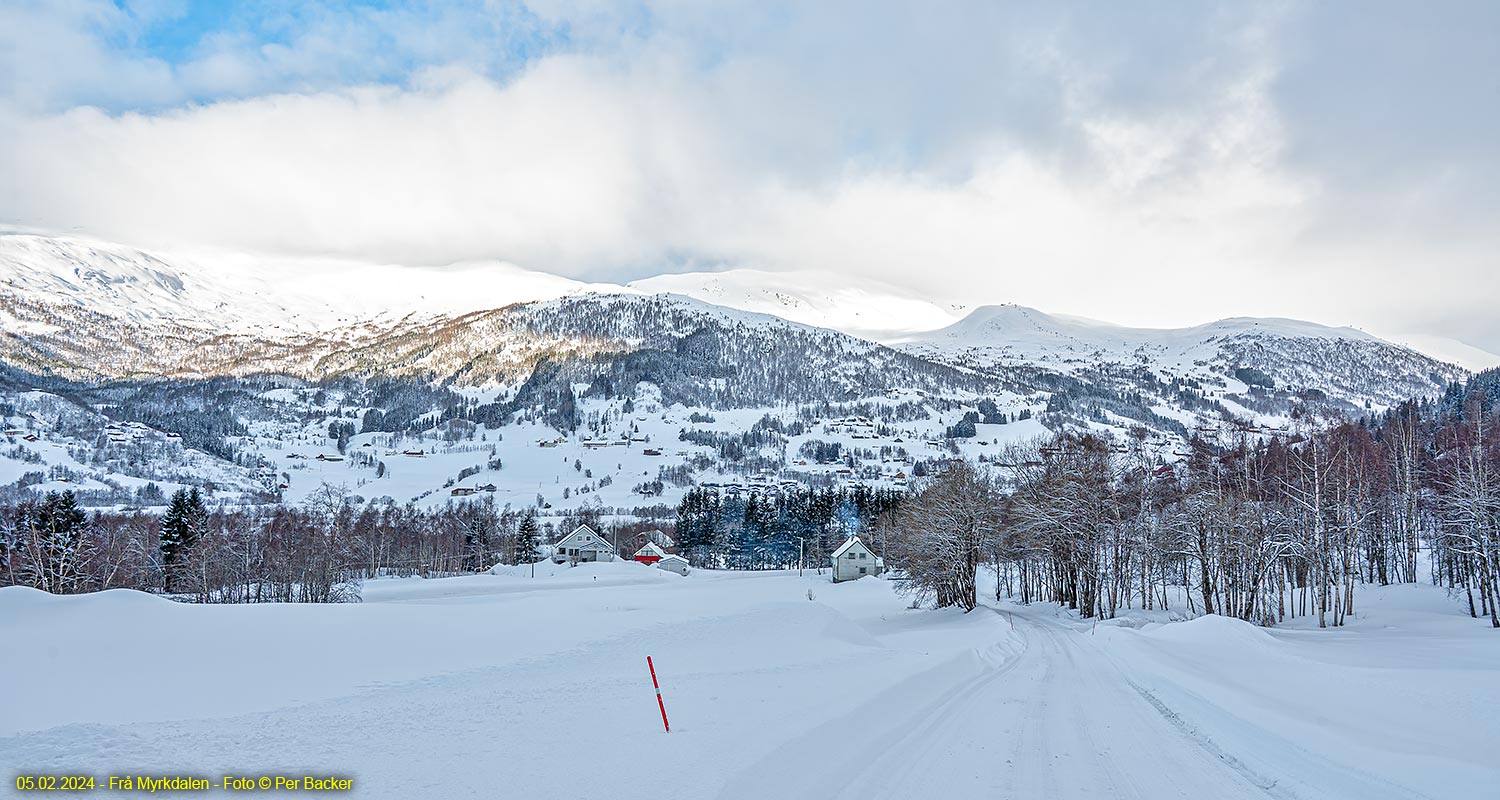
column 507, row 685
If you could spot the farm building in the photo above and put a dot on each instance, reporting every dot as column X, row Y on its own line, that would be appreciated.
column 674, row 563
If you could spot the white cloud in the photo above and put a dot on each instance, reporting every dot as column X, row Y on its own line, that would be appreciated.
column 587, row 169
column 982, row 156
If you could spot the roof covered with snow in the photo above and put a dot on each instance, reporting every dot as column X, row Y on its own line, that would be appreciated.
column 650, row 549
column 849, row 543
column 584, row 538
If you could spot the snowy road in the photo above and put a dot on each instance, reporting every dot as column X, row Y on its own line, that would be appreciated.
column 1059, row 718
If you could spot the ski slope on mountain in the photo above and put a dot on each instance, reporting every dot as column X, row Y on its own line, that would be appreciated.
column 776, row 686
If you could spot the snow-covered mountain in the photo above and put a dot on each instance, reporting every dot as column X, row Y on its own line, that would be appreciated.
column 1269, row 353
column 229, row 366
column 94, row 311
column 91, row 312
column 1018, row 333
column 236, row 293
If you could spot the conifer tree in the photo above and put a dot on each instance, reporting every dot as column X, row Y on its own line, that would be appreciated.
column 528, row 540
column 180, row 527
column 57, row 526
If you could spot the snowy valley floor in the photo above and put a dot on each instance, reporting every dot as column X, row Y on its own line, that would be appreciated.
column 508, row 686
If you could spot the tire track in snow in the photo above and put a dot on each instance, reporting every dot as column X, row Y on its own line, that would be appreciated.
column 1094, row 738
column 862, row 741
column 1268, row 785
column 921, row 731
column 1357, row 782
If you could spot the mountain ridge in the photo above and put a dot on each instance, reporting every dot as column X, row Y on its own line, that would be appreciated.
column 96, row 312
column 291, row 294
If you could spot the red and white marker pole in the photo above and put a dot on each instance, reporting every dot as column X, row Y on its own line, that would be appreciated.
column 659, row 703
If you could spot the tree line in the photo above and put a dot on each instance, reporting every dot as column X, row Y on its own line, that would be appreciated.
column 1259, row 525
column 318, row 551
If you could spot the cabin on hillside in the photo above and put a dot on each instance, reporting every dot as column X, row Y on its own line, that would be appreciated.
column 583, row 544
column 854, row 560
column 674, row 563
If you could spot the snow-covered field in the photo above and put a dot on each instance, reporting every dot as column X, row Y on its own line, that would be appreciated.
column 502, row 685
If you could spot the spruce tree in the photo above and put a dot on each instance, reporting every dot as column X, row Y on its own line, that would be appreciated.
column 180, row 527
column 528, row 540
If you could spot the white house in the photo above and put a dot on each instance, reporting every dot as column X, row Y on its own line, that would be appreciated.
column 673, row 563
column 583, row 544
column 853, row 560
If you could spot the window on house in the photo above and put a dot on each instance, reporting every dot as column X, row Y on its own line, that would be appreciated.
column 861, row 570
column 861, row 556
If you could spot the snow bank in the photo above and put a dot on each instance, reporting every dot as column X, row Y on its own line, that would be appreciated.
column 1408, row 688
column 1213, row 630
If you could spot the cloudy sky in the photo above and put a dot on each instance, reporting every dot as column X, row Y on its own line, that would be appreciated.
column 1156, row 163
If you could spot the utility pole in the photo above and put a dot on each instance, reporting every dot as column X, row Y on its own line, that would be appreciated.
column 801, row 545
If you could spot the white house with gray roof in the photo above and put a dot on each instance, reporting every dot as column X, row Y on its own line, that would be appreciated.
column 853, row 560
column 583, row 544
